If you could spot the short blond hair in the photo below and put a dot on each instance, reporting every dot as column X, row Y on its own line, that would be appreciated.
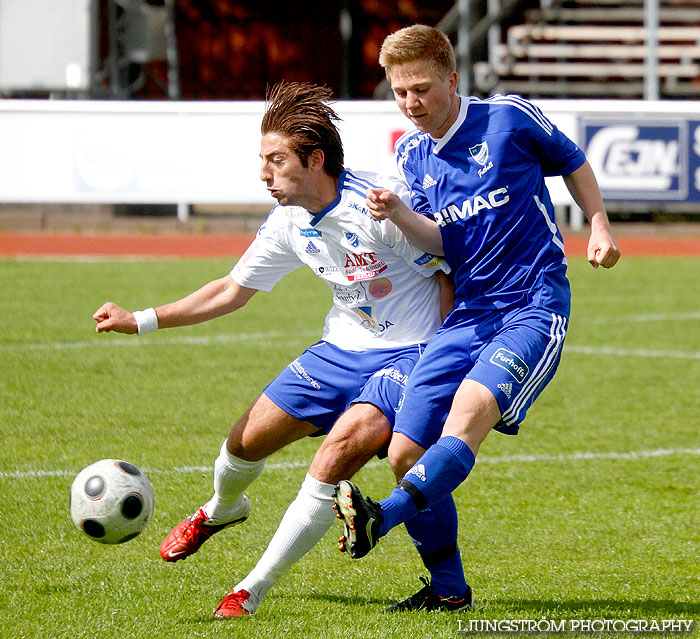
column 418, row 42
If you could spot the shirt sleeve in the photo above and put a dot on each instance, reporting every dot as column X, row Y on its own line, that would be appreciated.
column 418, row 200
column 556, row 153
column 267, row 260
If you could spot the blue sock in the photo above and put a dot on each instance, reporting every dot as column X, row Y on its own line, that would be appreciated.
column 443, row 467
column 434, row 533
column 397, row 508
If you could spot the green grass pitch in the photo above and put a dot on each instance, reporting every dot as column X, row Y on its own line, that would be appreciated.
column 591, row 513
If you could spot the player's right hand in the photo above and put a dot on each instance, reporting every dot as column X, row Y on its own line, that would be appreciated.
column 383, row 204
column 110, row 317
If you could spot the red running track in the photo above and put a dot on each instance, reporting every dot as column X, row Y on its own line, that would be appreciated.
column 212, row 245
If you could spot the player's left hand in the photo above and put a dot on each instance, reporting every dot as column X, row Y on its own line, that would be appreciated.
column 602, row 250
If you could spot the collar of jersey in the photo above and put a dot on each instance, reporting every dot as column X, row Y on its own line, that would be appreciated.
column 317, row 217
column 461, row 117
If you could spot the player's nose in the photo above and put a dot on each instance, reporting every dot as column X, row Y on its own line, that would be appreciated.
column 412, row 100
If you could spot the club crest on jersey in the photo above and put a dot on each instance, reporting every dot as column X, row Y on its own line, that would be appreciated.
column 510, row 362
column 480, row 153
column 309, row 233
column 352, row 239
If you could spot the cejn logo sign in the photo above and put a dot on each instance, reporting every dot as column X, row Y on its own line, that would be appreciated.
column 639, row 160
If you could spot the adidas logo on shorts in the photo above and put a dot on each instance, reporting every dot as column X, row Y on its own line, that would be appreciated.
column 507, row 389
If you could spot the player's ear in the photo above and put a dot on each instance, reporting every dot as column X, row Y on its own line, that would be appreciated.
column 316, row 160
column 453, row 81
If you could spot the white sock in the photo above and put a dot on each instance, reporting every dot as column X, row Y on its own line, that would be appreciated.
column 307, row 519
column 232, row 476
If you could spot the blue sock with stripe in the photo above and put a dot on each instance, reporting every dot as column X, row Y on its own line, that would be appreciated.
column 434, row 533
column 443, row 467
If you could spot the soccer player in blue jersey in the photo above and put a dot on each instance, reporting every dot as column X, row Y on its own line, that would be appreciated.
column 476, row 171
column 386, row 306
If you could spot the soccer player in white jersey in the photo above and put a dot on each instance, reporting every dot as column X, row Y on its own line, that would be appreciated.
column 386, row 307
column 476, row 171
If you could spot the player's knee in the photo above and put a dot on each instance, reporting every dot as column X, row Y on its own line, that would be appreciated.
column 360, row 435
column 363, row 420
column 402, row 455
column 360, row 432
column 238, row 449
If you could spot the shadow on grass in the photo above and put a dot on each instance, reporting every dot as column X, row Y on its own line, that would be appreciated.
column 525, row 608
column 647, row 608
column 347, row 601
column 650, row 608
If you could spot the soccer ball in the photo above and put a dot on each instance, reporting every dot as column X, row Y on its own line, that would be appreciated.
column 111, row 501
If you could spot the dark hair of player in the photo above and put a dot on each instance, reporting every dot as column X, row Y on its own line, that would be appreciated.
column 301, row 113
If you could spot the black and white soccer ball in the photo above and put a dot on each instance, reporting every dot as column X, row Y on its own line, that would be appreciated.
column 111, row 501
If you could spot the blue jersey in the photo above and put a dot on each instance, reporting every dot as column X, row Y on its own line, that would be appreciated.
column 483, row 183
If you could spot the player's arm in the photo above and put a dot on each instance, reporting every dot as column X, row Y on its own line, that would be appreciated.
column 214, row 299
column 420, row 230
column 447, row 293
column 602, row 249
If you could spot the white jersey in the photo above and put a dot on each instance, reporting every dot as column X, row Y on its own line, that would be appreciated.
column 384, row 295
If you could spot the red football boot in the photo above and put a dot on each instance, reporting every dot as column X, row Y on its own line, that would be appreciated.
column 235, row 605
column 186, row 538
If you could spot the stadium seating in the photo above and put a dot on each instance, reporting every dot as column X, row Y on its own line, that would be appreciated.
column 597, row 49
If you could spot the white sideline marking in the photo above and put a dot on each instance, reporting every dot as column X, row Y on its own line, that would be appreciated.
column 502, row 459
column 631, row 352
column 209, row 340
column 648, row 317
column 132, row 340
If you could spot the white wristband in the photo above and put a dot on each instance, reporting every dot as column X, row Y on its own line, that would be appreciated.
column 146, row 321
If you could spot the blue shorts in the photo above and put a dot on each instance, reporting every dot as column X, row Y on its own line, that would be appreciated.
column 320, row 384
column 513, row 352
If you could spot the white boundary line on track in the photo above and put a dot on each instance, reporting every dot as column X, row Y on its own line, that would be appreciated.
column 637, row 455
column 210, row 340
